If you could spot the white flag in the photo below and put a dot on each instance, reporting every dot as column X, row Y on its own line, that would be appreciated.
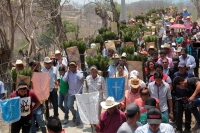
column 88, row 107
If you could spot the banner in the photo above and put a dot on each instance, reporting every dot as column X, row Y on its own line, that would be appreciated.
column 10, row 110
column 73, row 55
column 110, row 45
column 136, row 65
column 88, row 107
column 25, row 103
column 91, row 52
column 41, row 85
column 26, row 79
column 116, row 88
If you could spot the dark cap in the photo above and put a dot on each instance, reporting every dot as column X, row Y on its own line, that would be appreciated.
column 183, row 51
column 175, row 59
column 132, row 109
column 154, row 116
column 150, row 103
column 32, row 63
column 181, row 64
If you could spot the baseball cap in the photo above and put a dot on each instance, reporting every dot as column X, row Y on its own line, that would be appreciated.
column 150, row 103
column 175, row 59
column 183, row 51
column 132, row 109
column 134, row 73
column 154, row 116
column 181, row 64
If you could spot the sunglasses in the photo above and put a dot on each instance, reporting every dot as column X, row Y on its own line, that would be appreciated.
column 164, row 62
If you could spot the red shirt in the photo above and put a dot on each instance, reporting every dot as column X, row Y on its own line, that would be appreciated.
column 34, row 99
column 109, row 123
column 141, row 104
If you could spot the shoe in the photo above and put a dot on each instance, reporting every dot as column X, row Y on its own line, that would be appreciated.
column 186, row 131
column 76, row 124
column 197, row 126
column 65, row 121
column 74, row 118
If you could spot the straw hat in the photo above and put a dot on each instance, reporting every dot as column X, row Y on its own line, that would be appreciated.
column 109, row 103
column 57, row 52
column 124, row 55
column 134, row 82
column 47, row 60
column 165, row 45
column 115, row 56
column 19, row 62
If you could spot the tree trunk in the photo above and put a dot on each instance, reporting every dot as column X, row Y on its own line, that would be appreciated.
column 114, row 11
column 60, row 30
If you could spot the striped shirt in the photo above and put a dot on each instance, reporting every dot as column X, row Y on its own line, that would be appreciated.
column 94, row 85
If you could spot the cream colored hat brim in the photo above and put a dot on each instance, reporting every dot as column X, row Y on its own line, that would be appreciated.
column 104, row 106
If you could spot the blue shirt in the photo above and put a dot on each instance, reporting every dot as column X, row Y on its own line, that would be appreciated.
column 54, row 75
column 105, row 53
column 75, row 81
column 186, row 76
column 185, row 14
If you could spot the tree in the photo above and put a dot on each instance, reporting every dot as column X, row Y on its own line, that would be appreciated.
column 197, row 5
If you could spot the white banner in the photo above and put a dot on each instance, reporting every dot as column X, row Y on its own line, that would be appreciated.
column 88, row 107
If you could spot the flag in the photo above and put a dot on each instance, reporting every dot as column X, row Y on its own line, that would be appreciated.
column 41, row 85
column 88, row 107
column 10, row 110
column 115, row 88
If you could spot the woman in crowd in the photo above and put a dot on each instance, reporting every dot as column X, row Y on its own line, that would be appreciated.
column 179, row 39
column 150, row 69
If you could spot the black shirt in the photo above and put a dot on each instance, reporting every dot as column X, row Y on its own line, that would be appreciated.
column 192, row 83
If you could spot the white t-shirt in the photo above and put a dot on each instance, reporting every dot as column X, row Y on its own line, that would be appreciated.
column 161, row 32
column 164, row 128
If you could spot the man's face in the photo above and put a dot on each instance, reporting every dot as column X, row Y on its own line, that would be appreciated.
column 110, row 53
column 181, row 85
column 184, row 55
column 165, row 64
column 111, row 110
column 155, row 56
column 19, row 67
column 47, row 65
column 154, row 127
column 159, row 70
column 162, row 56
column 58, row 56
column 72, row 68
column 151, row 51
column 22, row 92
column 62, row 73
column 93, row 73
column 158, row 81
column 182, row 70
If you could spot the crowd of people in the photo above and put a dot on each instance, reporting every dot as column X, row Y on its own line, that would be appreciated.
column 171, row 87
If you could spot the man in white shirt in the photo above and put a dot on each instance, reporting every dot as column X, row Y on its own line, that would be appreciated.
column 188, row 59
column 93, row 83
column 161, row 90
column 60, row 61
column 160, row 35
column 154, row 124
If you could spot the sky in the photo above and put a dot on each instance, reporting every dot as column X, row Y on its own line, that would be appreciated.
column 119, row 1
